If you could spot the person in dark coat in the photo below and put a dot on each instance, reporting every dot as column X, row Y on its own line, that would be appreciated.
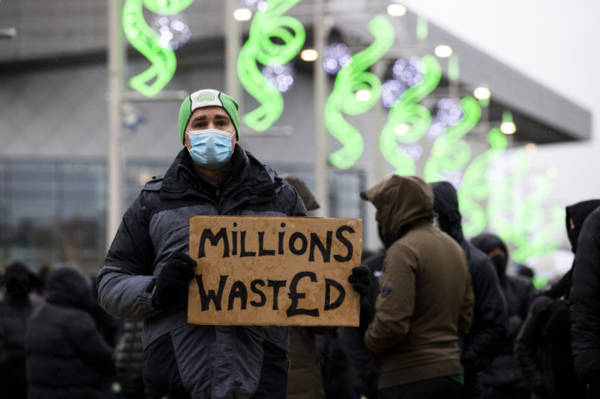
column 15, row 309
column 66, row 355
column 425, row 301
column 503, row 378
column 484, row 340
column 147, row 270
column 543, row 346
column 585, row 305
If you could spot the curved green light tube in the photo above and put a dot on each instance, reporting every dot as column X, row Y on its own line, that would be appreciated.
column 475, row 186
column 449, row 152
column 501, row 205
column 352, row 78
column 289, row 36
column 409, row 112
column 532, row 235
column 145, row 40
column 523, row 222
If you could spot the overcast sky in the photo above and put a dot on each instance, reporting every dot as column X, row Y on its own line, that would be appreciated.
column 551, row 41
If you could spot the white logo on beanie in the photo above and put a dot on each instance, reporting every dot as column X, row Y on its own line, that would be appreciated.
column 205, row 98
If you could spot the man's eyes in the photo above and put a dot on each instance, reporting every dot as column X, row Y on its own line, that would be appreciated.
column 218, row 122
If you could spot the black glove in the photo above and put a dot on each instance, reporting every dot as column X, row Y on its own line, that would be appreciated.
column 172, row 282
column 360, row 280
column 367, row 311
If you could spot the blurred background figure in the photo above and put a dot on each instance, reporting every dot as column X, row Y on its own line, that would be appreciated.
column 15, row 309
column 503, row 378
column 484, row 340
column 543, row 346
column 66, row 355
column 585, row 304
column 525, row 271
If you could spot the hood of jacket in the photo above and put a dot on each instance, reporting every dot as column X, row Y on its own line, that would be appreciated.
column 18, row 281
column 486, row 242
column 445, row 205
column 577, row 213
column 401, row 201
column 69, row 287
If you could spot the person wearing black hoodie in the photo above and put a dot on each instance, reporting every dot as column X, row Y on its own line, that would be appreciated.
column 67, row 357
column 15, row 309
column 585, row 305
column 503, row 378
column 484, row 340
column 543, row 346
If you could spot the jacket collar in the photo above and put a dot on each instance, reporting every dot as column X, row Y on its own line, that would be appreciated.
column 247, row 179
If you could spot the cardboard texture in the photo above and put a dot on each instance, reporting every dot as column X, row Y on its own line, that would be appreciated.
column 274, row 270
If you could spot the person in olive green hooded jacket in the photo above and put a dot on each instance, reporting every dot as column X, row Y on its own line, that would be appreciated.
column 425, row 300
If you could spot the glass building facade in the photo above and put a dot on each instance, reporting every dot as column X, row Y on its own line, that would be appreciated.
column 54, row 212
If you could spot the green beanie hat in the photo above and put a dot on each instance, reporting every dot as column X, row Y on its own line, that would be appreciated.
column 207, row 98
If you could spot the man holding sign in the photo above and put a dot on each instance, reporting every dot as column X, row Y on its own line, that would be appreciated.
column 149, row 274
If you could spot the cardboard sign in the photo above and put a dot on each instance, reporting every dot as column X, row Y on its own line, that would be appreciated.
column 274, row 270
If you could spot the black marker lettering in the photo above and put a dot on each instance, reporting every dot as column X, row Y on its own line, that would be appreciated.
column 347, row 244
column 238, row 290
column 295, row 296
column 341, row 294
column 261, row 250
column 303, row 243
column 280, row 247
column 263, row 298
column 211, row 296
column 234, row 242
column 276, row 284
column 315, row 241
column 243, row 252
column 214, row 240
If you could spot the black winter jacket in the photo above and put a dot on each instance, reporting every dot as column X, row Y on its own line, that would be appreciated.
column 519, row 293
column 504, row 370
column 13, row 324
column 543, row 350
column 66, row 355
column 214, row 361
column 585, row 300
column 490, row 321
column 488, row 331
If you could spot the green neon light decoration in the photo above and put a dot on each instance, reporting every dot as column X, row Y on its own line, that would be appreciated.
column 475, row 186
column 274, row 39
column 351, row 79
column 453, row 68
column 422, row 28
column 521, row 220
column 450, row 152
column 411, row 116
column 145, row 40
column 539, row 282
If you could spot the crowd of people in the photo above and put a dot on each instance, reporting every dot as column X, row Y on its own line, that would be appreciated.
column 441, row 316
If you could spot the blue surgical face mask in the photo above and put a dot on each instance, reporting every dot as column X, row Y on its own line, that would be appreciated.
column 211, row 148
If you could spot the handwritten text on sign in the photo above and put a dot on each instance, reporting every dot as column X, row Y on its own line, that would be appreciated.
column 274, row 270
